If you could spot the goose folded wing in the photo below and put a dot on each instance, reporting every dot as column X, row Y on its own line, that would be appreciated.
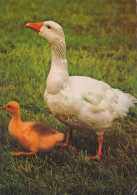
column 102, row 100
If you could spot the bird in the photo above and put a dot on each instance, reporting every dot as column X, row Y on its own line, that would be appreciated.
column 82, row 103
column 34, row 136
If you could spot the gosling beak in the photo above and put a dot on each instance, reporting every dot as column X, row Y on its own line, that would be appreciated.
column 3, row 107
column 35, row 26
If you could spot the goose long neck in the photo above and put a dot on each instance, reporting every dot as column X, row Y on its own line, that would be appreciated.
column 58, row 50
column 58, row 74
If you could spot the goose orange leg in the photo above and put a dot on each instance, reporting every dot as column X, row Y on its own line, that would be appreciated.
column 100, row 142
column 22, row 153
column 68, row 139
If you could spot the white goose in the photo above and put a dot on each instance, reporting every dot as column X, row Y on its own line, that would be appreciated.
column 80, row 102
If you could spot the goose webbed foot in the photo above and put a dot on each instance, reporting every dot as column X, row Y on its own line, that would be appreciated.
column 68, row 139
column 100, row 142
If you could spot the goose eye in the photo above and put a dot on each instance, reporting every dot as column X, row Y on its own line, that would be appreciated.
column 49, row 27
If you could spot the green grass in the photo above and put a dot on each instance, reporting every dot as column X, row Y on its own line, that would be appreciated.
column 100, row 38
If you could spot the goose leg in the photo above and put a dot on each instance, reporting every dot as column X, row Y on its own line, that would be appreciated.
column 68, row 139
column 100, row 142
column 22, row 153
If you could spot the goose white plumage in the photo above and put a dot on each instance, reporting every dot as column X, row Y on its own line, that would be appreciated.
column 82, row 103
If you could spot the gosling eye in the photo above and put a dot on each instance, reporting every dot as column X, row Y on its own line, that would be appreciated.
column 49, row 27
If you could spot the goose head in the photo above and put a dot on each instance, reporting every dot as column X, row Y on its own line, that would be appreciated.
column 49, row 30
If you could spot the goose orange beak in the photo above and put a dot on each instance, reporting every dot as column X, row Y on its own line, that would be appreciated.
column 35, row 26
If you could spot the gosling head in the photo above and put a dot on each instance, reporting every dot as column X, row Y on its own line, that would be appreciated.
column 12, row 107
column 49, row 30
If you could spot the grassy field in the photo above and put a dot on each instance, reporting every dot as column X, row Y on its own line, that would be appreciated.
column 101, row 43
